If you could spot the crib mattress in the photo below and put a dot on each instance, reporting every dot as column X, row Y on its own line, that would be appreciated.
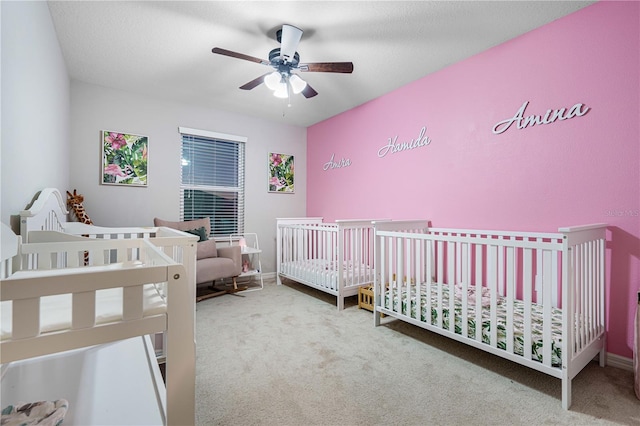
column 324, row 272
column 501, row 313
column 56, row 310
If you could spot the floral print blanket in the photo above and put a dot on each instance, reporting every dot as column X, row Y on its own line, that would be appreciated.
column 501, row 323
column 43, row 413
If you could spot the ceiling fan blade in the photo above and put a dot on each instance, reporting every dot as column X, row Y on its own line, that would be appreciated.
column 343, row 67
column 289, row 40
column 254, row 83
column 232, row 54
column 308, row 91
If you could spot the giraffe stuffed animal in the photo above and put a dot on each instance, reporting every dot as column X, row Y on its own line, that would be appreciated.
column 75, row 201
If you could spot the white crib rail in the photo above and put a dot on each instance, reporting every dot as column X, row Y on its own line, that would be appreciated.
column 178, row 245
column 341, row 248
column 285, row 239
column 583, row 301
column 144, row 264
column 553, row 271
column 9, row 246
column 109, row 233
column 334, row 257
column 138, row 263
column 47, row 212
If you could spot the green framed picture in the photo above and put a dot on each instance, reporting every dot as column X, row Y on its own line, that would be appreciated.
column 281, row 172
column 124, row 158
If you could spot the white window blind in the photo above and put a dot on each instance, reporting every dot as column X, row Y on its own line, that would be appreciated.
column 213, row 180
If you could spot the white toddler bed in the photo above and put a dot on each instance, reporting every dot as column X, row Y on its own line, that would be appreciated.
column 81, row 332
column 336, row 258
column 537, row 299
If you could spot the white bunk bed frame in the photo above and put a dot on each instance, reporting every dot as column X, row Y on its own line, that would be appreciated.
column 34, row 273
column 311, row 252
column 559, row 276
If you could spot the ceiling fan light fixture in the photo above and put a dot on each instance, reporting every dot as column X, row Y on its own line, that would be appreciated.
column 281, row 91
column 297, row 84
column 272, row 80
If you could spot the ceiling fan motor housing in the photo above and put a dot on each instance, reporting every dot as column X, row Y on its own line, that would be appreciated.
column 275, row 59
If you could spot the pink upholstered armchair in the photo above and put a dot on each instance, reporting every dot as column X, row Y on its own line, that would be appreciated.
column 212, row 262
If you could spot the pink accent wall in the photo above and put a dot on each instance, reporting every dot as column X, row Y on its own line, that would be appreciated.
column 577, row 171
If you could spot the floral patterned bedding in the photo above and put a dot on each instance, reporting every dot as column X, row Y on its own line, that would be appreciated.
column 501, row 311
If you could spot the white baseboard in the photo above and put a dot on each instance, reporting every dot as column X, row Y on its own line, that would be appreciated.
column 269, row 276
column 618, row 361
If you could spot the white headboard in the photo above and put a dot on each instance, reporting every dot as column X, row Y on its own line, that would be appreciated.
column 48, row 212
column 9, row 244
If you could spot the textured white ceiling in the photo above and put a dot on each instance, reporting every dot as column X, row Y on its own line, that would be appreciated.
column 163, row 49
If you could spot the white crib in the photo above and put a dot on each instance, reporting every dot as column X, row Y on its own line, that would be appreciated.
column 48, row 212
column 81, row 332
column 537, row 299
column 336, row 258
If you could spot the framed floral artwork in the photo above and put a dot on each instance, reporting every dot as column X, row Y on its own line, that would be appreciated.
column 281, row 173
column 124, row 159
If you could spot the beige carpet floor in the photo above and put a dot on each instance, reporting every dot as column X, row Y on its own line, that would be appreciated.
column 286, row 356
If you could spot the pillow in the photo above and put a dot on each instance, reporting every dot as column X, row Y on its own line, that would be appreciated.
column 206, row 249
column 181, row 226
column 200, row 232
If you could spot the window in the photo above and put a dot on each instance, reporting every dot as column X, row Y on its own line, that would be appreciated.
column 213, row 180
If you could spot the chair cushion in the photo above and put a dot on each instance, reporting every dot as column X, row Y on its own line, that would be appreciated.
column 215, row 268
column 206, row 249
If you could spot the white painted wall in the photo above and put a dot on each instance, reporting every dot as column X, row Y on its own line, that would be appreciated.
column 95, row 108
column 35, row 107
column 51, row 138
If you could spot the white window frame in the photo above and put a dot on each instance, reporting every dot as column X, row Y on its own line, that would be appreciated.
column 215, row 136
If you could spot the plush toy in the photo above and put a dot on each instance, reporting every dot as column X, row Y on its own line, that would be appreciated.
column 75, row 201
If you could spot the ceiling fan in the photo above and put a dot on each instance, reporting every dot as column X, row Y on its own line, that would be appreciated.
column 284, row 60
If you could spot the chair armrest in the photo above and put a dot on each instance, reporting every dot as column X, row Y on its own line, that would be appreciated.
column 233, row 253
